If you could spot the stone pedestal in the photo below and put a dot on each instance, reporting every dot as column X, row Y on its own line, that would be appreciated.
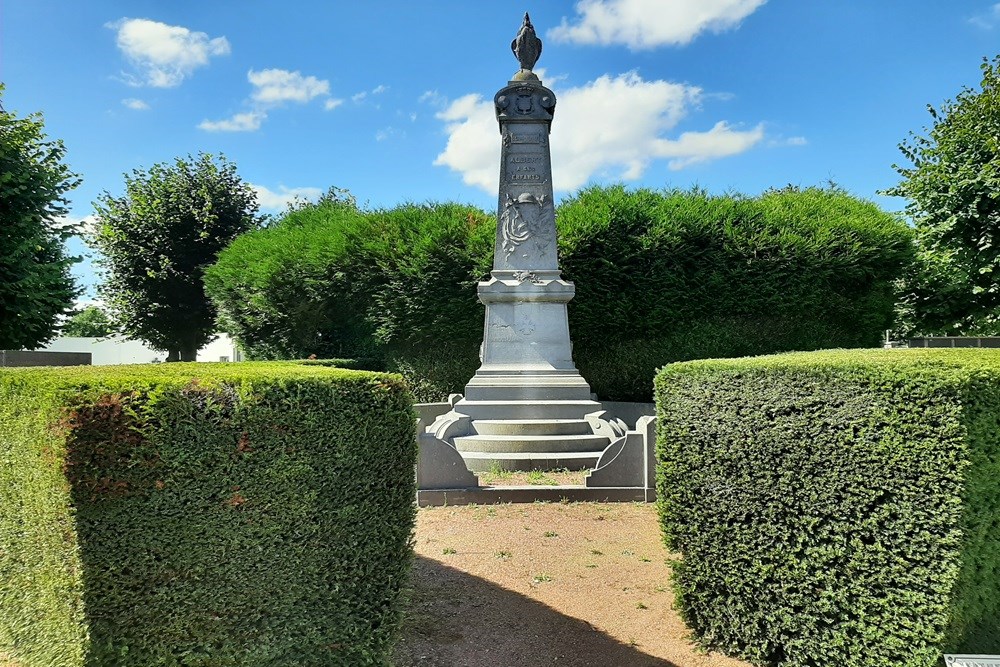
column 526, row 408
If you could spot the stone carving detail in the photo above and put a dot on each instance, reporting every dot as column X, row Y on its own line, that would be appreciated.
column 526, row 46
column 524, row 326
column 526, row 277
column 514, row 226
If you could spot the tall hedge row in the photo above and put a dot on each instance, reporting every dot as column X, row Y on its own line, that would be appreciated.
column 664, row 276
column 835, row 508
column 660, row 276
column 209, row 515
column 394, row 285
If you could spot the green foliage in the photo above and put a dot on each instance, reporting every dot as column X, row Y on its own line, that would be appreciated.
column 664, row 276
column 35, row 282
column 203, row 515
column 90, row 322
column 156, row 241
column 331, row 280
column 660, row 277
column 953, row 193
column 835, row 508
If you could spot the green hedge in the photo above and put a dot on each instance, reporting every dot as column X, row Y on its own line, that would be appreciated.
column 394, row 285
column 679, row 275
column 204, row 515
column 835, row 508
column 674, row 275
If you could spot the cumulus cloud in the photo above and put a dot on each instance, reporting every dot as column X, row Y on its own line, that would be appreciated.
column 612, row 127
column 278, row 201
column 647, row 24
column 137, row 105
column 275, row 86
column 241, row 122
column 165, row 54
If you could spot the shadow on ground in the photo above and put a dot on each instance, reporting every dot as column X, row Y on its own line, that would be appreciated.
column 457, row 620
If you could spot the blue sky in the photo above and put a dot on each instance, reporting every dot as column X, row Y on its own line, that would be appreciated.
column 391, row 99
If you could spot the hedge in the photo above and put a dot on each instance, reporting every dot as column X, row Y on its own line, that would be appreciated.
column 397, row 285
column 674, row 275
column 837, row 507
column 680, row 275
column 205, row 515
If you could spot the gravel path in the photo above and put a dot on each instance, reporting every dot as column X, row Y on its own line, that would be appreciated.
column 580, row 584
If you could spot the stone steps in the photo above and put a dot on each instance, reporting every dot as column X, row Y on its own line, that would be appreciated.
column 524, row 461
column 531, row 426
column 533, row 444
column 533, row 392
column 526, row 409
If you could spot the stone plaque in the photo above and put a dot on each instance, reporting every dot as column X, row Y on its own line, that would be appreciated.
column 972, row 660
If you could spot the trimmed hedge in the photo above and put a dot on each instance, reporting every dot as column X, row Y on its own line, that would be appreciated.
column 679, row 275
column 205, row 515
column 674, row 275
column 835, row 508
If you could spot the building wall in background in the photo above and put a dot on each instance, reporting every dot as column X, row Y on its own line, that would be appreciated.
column 118, row 350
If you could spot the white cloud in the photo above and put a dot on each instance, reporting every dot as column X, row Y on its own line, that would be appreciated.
column 646, row 24
column 241, row 122
column 165, row 54
column 987, row 20
column 434, row 98
column 278, row 201
column 274, row 86
column 84, row 226
column 137, row 105
column 789, row 141
column 609, row 127
column 361, row 96
column 694, row 147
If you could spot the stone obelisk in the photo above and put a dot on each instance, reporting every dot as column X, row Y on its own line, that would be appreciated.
column 527, row 406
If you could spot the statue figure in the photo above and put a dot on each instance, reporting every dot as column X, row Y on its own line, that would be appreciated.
column 526, row 46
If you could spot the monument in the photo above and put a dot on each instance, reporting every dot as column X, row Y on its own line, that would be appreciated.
column 527, row 407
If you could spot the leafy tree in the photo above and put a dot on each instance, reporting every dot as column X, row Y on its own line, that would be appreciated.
column 35, row 282
column 156, row 241
column 91, row 321
column 953, row 188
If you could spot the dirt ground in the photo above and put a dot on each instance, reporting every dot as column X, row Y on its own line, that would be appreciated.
column 579, row 584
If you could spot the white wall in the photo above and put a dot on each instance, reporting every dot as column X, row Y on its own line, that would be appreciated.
column 117, row 350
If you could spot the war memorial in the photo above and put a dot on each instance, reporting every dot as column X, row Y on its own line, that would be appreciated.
column 528, row 407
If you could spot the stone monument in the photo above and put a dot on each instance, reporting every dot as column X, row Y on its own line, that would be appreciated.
column 527, row 407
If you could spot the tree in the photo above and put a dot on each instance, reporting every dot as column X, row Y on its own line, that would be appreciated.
column 953, row 188
column 90, row 322
column 35, row 282
column 156, row 241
